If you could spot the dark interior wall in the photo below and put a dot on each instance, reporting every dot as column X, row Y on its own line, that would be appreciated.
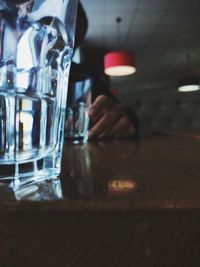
column 166, row 110
column 93, row 57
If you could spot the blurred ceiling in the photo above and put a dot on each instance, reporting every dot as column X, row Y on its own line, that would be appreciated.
column 159, row 32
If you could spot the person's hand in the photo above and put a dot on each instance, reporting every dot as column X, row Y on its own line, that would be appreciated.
column 109, row 120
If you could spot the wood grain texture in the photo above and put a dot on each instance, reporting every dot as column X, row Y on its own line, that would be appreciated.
column 155, row 224
column 103, row 238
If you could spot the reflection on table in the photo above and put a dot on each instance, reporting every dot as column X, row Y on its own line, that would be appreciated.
column 31, row 190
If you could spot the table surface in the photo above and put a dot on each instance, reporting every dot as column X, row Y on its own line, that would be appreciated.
column 157, row 172
column 117, row 203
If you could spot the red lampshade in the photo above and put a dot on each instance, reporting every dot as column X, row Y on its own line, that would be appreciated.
column 119, row 63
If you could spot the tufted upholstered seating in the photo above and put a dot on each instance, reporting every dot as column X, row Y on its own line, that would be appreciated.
column 168, row 111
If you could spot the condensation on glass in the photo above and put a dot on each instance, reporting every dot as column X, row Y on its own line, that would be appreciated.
column 36, row 45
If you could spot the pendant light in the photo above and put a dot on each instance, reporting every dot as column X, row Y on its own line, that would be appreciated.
column 119, row 63
column 189, row 83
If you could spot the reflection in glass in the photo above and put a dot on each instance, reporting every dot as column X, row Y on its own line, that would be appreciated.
column 37, row 191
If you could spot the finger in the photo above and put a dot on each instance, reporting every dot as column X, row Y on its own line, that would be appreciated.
column 122, row 124
column 95, row 119
column 106, row 121
column 127, row 132
column 68, row 124
column 101, row 103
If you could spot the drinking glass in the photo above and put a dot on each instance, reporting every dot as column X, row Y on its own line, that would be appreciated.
column 78, row 104
column 36, row 47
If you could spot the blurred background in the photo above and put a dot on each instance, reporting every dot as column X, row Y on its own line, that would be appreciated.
column 164, row 35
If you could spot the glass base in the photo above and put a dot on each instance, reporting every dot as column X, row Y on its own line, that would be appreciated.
column 31, row 189
column 37, row 170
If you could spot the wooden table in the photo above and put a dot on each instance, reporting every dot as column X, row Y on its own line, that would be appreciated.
column 117, row 203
